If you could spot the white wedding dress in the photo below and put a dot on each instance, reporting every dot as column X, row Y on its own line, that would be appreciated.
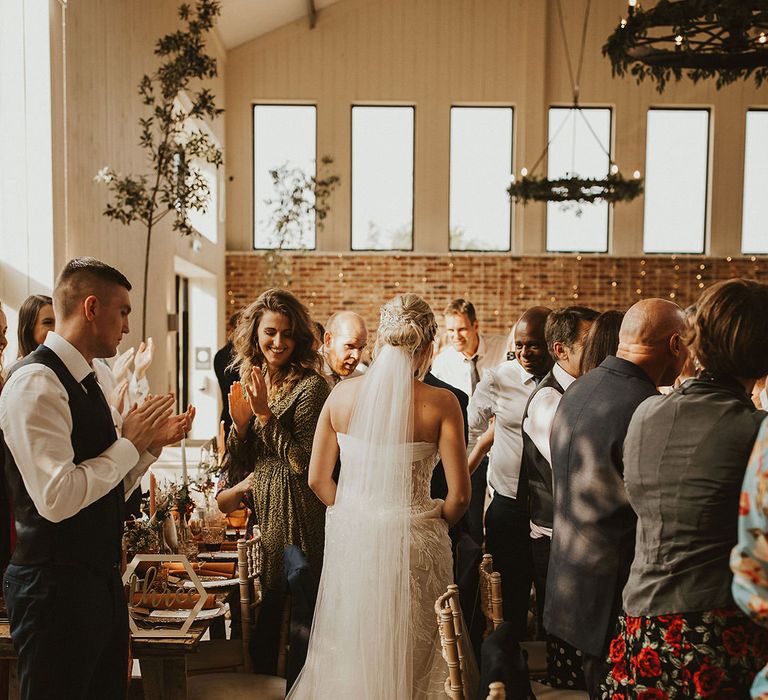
column 387, row 557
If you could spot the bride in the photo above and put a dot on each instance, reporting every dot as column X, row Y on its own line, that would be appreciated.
column 387, row 552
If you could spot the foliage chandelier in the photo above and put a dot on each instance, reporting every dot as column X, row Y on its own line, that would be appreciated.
column 571, row 188
column 722, row 39
column 613, row 188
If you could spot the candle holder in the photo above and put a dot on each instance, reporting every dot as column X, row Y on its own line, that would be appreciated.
column 719, row 39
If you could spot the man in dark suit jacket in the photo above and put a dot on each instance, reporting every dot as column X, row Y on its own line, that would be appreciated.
column 224, row 374
column 594, row 526
column 439, row 488
column 466, row 552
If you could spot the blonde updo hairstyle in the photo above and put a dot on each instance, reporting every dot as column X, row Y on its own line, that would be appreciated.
column 408, row 322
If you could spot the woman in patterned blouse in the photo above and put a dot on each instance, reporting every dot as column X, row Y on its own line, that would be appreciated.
column 274, row 411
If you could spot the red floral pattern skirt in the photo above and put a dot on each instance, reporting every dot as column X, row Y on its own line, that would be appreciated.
column 714, row 654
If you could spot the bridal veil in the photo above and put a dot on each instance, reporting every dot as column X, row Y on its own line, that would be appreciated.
column 360, row 641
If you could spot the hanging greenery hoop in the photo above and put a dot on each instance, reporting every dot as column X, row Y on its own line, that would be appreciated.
column 572, row 188
column 722, row 39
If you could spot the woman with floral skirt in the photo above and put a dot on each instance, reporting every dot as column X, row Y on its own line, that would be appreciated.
column 685, row 456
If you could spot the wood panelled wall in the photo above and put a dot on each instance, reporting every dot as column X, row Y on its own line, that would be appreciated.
column 108, row 47
column 437, row 53
column 501, row 286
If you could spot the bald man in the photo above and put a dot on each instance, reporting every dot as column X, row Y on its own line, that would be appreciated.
column 594, row 526
column 343, row 343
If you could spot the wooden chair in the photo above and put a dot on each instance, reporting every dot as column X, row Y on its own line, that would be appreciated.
column 491, row 603
column 490, row 594
column 536, row 652
column 452, row 642
column 234, row 654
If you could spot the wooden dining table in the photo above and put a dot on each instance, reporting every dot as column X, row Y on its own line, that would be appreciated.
column 163, row 663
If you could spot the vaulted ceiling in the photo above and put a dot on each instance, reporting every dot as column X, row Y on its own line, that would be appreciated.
column 243, row 20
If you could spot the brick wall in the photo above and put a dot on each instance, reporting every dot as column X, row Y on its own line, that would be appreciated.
column 500, row 286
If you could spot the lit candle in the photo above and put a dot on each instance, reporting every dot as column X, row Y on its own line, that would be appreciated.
column 152, row 494
column 184, row 475
column 222, row 444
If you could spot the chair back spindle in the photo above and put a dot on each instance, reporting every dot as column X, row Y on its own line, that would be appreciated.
column 449, row 624
column 497, row 691
column 490, row 594
column 249, row 573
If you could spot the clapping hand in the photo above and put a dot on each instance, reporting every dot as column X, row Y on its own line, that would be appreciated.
column 117, row 400
column 258, row 396
column 143, row 358
column 142, row 423
column 122, row 365
column 239, row 408
column 172, row 430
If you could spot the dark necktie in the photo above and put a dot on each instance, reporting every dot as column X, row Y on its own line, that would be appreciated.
column 96, row 395
column 474, row 376
column 538, row 380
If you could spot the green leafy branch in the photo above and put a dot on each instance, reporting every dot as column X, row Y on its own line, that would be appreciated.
column 175, row 183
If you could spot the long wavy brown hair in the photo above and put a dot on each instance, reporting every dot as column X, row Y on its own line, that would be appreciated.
column 27, row 319
column 304, row 357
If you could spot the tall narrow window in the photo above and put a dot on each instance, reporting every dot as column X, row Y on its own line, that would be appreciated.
column 676, row 158
column 206, row 222
column 481, row 162
column 382, row 178
column 580, row 141
column 283, row 142
column 754, row 227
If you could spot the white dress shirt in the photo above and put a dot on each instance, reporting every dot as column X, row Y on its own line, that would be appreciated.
column 503, row 392
column 37, row 426
column 455, row 367
column 538, row 426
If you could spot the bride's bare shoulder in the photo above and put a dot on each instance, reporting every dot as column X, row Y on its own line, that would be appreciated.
column 346, row 387
column 437, row 396
column 343, row 394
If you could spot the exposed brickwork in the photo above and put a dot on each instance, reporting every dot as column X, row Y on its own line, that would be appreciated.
column 500, row 286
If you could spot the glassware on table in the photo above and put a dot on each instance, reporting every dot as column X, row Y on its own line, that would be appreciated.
column 213, row 536
column 196, row 526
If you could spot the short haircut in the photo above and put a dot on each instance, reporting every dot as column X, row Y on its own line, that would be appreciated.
column 461, row 307
column 562, row 325
column 83, row 277
column 729, row 333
